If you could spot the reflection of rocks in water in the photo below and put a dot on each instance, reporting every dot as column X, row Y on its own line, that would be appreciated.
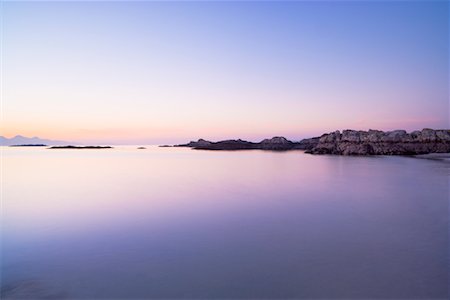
column 30, row 289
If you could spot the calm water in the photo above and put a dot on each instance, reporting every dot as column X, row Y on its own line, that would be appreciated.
column 180, row 223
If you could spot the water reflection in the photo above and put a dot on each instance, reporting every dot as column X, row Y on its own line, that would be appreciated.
column 127, row 223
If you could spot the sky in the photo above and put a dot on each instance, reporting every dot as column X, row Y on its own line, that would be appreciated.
column 169, row 72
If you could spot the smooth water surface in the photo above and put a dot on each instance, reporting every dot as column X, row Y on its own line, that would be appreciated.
column 180, row 223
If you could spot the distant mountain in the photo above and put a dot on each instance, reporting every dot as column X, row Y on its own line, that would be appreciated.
column 22, row 140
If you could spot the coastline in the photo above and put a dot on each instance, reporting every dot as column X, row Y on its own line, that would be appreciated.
column 347, row 142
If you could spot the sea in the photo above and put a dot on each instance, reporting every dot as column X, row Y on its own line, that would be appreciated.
column 158, row 223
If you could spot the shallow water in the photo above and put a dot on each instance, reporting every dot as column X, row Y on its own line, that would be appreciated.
column 181, row 223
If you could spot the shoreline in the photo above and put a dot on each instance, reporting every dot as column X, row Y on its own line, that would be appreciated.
column 347, row 142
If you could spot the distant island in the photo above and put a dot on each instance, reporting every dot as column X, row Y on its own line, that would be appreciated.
column 29, row 145
column 80, row 147
column 349, row 142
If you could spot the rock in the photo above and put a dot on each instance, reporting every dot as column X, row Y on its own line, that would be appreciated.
column 427, row 135
column 276, row 143
column 351, row 136
column 443, row 135
column 375, row 142
column 372, row 136
column 349, row 142
column 306, row 144
column 228, row 145
column 193, row 144
column 394, row 136
column 331, row 137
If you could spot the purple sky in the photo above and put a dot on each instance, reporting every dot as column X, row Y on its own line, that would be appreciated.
column 154, row 72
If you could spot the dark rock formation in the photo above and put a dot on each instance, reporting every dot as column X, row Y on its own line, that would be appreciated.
column 227, row 145
column 80, row 147
column 29, row 145
column 349, row 142
column 193, row 144
column 376, row 142
column 306, row 144
column 277, row 143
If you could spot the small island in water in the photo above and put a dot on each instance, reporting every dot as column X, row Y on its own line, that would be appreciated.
column 29, row 145
column 347, row 142
column 80, row 147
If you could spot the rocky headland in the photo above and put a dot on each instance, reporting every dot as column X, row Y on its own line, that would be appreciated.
column 347, row 142
column 376, row 142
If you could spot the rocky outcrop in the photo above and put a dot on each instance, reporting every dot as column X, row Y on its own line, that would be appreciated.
column 349, row 142
column 228, row 145
column 307, row 144
column 376, row 142
column 193, row 144
column 275, row 143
